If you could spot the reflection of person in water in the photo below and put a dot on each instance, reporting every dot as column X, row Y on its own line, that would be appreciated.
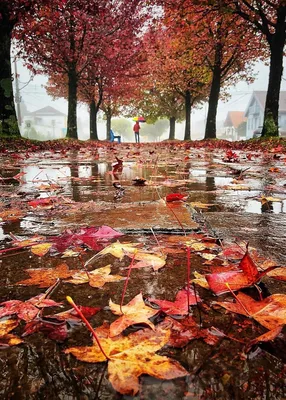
column 266, row 206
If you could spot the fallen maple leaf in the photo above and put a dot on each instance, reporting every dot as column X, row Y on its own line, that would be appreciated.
column 55, row 326
column 180, row 305
column 270, row 312
column 183, row 331
column 200, row 280
column 7, row 339
column 279, row 274
column 54, row 329
column 12, row 214
column 96, row 278
column 45, row 277
column 41, row 249
column 72, row 315
column 117, row 249
column 26, row 310
column 44, row 202
column 235, row 280
column 146, row 259
column 175, row 197
column 130, row 357
column 135, row 312
column 266, row 337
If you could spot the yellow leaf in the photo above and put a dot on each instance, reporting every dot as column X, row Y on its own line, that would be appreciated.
column 41, row 249
column 96, row 278
column 134, row 312
column 200, row 280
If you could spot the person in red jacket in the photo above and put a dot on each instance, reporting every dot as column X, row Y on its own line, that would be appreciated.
column 136, row 129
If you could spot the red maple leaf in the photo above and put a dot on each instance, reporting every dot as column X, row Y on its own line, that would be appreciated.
column 247, row 275
column 175, row 197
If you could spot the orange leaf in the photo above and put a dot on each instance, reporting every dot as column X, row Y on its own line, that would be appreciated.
column 46, row 277
column 41, row 249
column 270, row 312
column 130, row 357
column 135, row 312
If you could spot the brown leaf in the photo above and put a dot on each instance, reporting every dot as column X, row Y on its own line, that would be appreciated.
column 46, row 277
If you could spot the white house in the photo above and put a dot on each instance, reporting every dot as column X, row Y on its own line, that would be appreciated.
column 232, row 124
column 44, row 124
column 255, row 112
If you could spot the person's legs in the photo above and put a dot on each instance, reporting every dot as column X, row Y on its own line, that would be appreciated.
column 136, row 137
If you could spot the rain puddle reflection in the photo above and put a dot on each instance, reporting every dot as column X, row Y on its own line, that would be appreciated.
column 93, row 188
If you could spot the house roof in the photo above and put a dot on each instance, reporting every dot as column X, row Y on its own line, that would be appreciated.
column 260, row 97
column 46, row 111
column 234, row 118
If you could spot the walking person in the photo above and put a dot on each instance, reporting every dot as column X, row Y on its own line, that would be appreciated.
column 136, row 129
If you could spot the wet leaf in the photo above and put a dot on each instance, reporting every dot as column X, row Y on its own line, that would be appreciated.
column 180, row 305
column 96, row 278
column 130, row 357
column 41, row 249
column 198, row 204
column 135, row 312
column 72, row 315
column 45, row 202
column 200, row 280
column 279, row 274
column 235, row 279
column 270, row 312
column 26, row 310
column 146, row 259
column 118, row 250
column 46, row 277
column 13, row 214
column 266, row 337
column 55, row 330
column 7, row 339
column 175, row 197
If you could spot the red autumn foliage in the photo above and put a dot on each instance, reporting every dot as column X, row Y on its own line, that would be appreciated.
column 175, row 197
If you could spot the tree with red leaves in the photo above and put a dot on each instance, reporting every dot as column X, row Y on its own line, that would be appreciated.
column 219, row 42
column 176, row 77
column 69, row 37
column 268, row 19
column 11, row 14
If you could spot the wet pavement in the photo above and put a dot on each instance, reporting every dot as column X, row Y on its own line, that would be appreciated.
column 125, row 187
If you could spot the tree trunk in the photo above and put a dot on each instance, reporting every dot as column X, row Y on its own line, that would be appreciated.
column 108, row 125
column 188, row 115
column 172, row 128
column 271, row 112
column 8, row 118
column 72, row 104
column 93, row 120
column 210, row 132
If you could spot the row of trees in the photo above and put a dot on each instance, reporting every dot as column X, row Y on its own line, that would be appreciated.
column 124, row 57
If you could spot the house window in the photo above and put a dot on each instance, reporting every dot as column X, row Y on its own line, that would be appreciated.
column 38, row 120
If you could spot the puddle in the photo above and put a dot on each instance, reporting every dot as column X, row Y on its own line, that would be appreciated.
column 81, row 188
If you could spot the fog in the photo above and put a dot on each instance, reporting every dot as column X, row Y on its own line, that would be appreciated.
column 33, row 97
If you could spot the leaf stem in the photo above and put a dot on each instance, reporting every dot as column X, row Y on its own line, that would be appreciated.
column 237, row 299
column 127, row 279
column 72, row 303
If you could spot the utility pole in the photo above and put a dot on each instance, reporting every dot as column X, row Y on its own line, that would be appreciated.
column 17, row 95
